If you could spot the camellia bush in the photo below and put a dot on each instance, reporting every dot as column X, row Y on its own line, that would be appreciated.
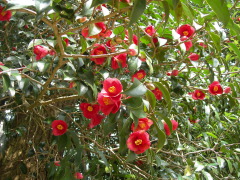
column 119, row 89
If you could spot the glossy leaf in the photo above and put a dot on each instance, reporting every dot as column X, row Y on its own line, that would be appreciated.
column 138, row 8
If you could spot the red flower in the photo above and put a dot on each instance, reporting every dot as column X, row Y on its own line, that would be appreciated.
column 52, row 52
column 135, row 39
column 112, row 86
column 143, row 124
column 96, row 120
column 127, row 1
column 139, row 75
column 132, row 52
column 1, row 64
column 110, row 45
column 57, row 163
column 109, row 104
column 174, row 127
column 150, row 30
column 72, row 84
column 227, row 90
column 104, row 32
column 5, row 15
column 194, row 57
column 157, row 93
column 138, row 142
column 215, row 88
column 99, row 50
column 89, row 110
column 67, row 42
column 174, row 72
column 155, row 40
column 203, row 45
column 185, row 30
column 40, row 52
column 119, row 59
column 198, row 94
column 78, row 175
column 59, row 127
column 188, row 44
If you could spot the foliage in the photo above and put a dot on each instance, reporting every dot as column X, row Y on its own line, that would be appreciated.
column 35, row 91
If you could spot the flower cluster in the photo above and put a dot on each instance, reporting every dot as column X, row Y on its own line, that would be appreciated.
column 91, row 111
column 138, row 141
column 41, row 52
column 109, row 98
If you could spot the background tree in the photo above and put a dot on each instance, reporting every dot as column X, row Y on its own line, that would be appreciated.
column 123, row 89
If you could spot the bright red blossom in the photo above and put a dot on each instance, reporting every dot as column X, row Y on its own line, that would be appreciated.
column 139, row 75
column 157, row 93
column 167, row 129
column 198, row 94
column 89, row 110
column 119, row 59
column 203, row 45
column 59, row 127
column 194, row 57
column 112, row 86
column 185, row 30
column 107, row 103
column 66, row 40
column 40, row 52
column 188, row 44
column 143, row 124
column 78, row 175
column 227, row 90
column 5, row 15
column 215, row 88
column 150, row 30
column 193, row 121
column 174, row 72
column 57, row 163
column 99, row 50
column 138, row 142
column 96, row 120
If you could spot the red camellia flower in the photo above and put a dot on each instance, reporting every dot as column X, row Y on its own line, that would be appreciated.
column 127, row 1
column 110, row 45
column 40, row 52
column 52, row 52
column 78, row 175
column 157, row 93
column 99, row 50
column 119, row 59
column 227, row 90
column 185, row 30
column 135, row 39
column 59, row 127
column 57, row 163
column 150, row 30
column 194, row 57
column 193, row 121
column 112, row 86
column 96, row 120
column 188, row 44
column 66, row 40
column 203, row 45
column 174, row 72
column 1, row 64
column 109, row 104
column 104, row 32
column 143, row 124
column 215, row 88
column 139, row 75
column 174, row 127
column 198, row 94
column 138, row 142
column 5, row 15
column 89, row 110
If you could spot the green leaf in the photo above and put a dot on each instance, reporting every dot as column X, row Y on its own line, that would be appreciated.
column 221, row 162
column 131, row 156
column 6, row 82
column 216, row 40
column 138, row 8
column 42, row 5
column 35, row 42
column 178, row 11
column 221, row 10
column 151, row 98
column 133, row 102
column 230, row 166
column 166, row 11
column 207, row 175
column 81, row 88
column 199, row 166
column 166, row 94
column 137, row 89
column 98, row 2
column 23, row 167
column 160, row 134
column 235, row 49
column 166, row 119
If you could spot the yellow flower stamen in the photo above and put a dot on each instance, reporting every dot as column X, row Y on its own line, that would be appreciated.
column 138, row 142
column 60, row 127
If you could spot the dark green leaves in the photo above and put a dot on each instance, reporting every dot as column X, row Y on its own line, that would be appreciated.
column 137, row 89
column 98, row 2
column 221, row 10
column 42, row 5
column 138, row 8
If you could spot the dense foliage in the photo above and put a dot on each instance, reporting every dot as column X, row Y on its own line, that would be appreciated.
column 119, row 89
